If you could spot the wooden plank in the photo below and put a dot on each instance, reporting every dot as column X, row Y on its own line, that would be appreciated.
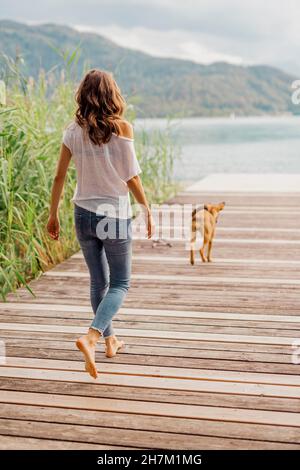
column 151, row 326
column 248, row 182
column 246, row 210
column 152, row 423
column 228, row 241
column 178, row 233
column 169, row 344
column 154, row 334
column 40, row 348
column 185, row 225
column 154, row 409
column 240, row 298
column 135, row 439
column 181, row 278
column 235, row 251
column 171, row 372
column 29, row 443
column 155, row 382
column 204, row 359
column 253, row 230
column 194, row 398
column 45, row 307
column 176, row 325
column 38, row 310
column 177, row 259
column 239, row 198
column 207, row 269
column 181, row 259
column 202, row 269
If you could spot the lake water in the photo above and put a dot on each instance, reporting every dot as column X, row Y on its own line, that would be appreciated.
column 240, row 145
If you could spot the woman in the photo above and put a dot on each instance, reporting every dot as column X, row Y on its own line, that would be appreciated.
column 102, row 146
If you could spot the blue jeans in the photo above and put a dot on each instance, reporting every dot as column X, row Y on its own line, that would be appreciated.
column 106, row 244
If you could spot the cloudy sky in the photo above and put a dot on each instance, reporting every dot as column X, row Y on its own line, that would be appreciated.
column 237, row 31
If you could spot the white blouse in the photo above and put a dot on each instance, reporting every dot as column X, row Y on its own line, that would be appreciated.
column 102, row 172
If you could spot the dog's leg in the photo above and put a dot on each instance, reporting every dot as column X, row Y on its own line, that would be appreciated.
column 210, row 243
column 193, row 239
column 192, row 251
column 203, row 257
column 192, row 257
column 209, row 251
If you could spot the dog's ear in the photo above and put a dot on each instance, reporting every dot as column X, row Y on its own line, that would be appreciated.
column 209, row 207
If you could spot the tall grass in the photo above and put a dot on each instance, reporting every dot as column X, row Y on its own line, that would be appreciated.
column 31, row 125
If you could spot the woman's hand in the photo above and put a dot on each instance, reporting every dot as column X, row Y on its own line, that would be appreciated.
column 150, row 225
column 136, row 187
column 57, row 188
column 53, row 227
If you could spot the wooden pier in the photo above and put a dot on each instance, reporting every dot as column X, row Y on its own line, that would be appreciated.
column 208, row 356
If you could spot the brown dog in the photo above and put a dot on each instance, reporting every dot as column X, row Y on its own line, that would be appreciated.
column 204, row 222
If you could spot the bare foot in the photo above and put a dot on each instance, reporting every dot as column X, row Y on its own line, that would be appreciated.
column 112, row 346
column 88, row 350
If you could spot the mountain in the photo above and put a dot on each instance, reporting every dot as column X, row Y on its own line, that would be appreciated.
column 164, row 86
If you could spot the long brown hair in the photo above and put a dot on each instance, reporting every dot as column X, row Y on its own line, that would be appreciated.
column 100, row 106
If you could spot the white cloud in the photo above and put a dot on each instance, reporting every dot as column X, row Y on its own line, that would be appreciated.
column 175, row 43
column 197, row 52
column 238, row 31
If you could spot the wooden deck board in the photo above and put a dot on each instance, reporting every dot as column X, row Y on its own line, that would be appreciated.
column 149, row 423
column 162, row 371
column 133, row 439
column 207, row 362
column 151, row 394
column 9, row 442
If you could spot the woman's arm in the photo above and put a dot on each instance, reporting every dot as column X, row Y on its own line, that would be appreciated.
column 135, row 185
column 57, row 187
column 136, row 188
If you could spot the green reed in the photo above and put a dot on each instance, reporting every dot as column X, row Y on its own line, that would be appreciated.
column 31, row 125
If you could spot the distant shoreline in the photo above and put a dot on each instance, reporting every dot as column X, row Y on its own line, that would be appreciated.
column 265, row 117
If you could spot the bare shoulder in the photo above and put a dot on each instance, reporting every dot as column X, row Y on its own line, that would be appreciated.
column 126, row 129
column 71, row 126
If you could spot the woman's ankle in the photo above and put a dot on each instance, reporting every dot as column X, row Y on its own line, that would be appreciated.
column 111, row 339
column 93, row 336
